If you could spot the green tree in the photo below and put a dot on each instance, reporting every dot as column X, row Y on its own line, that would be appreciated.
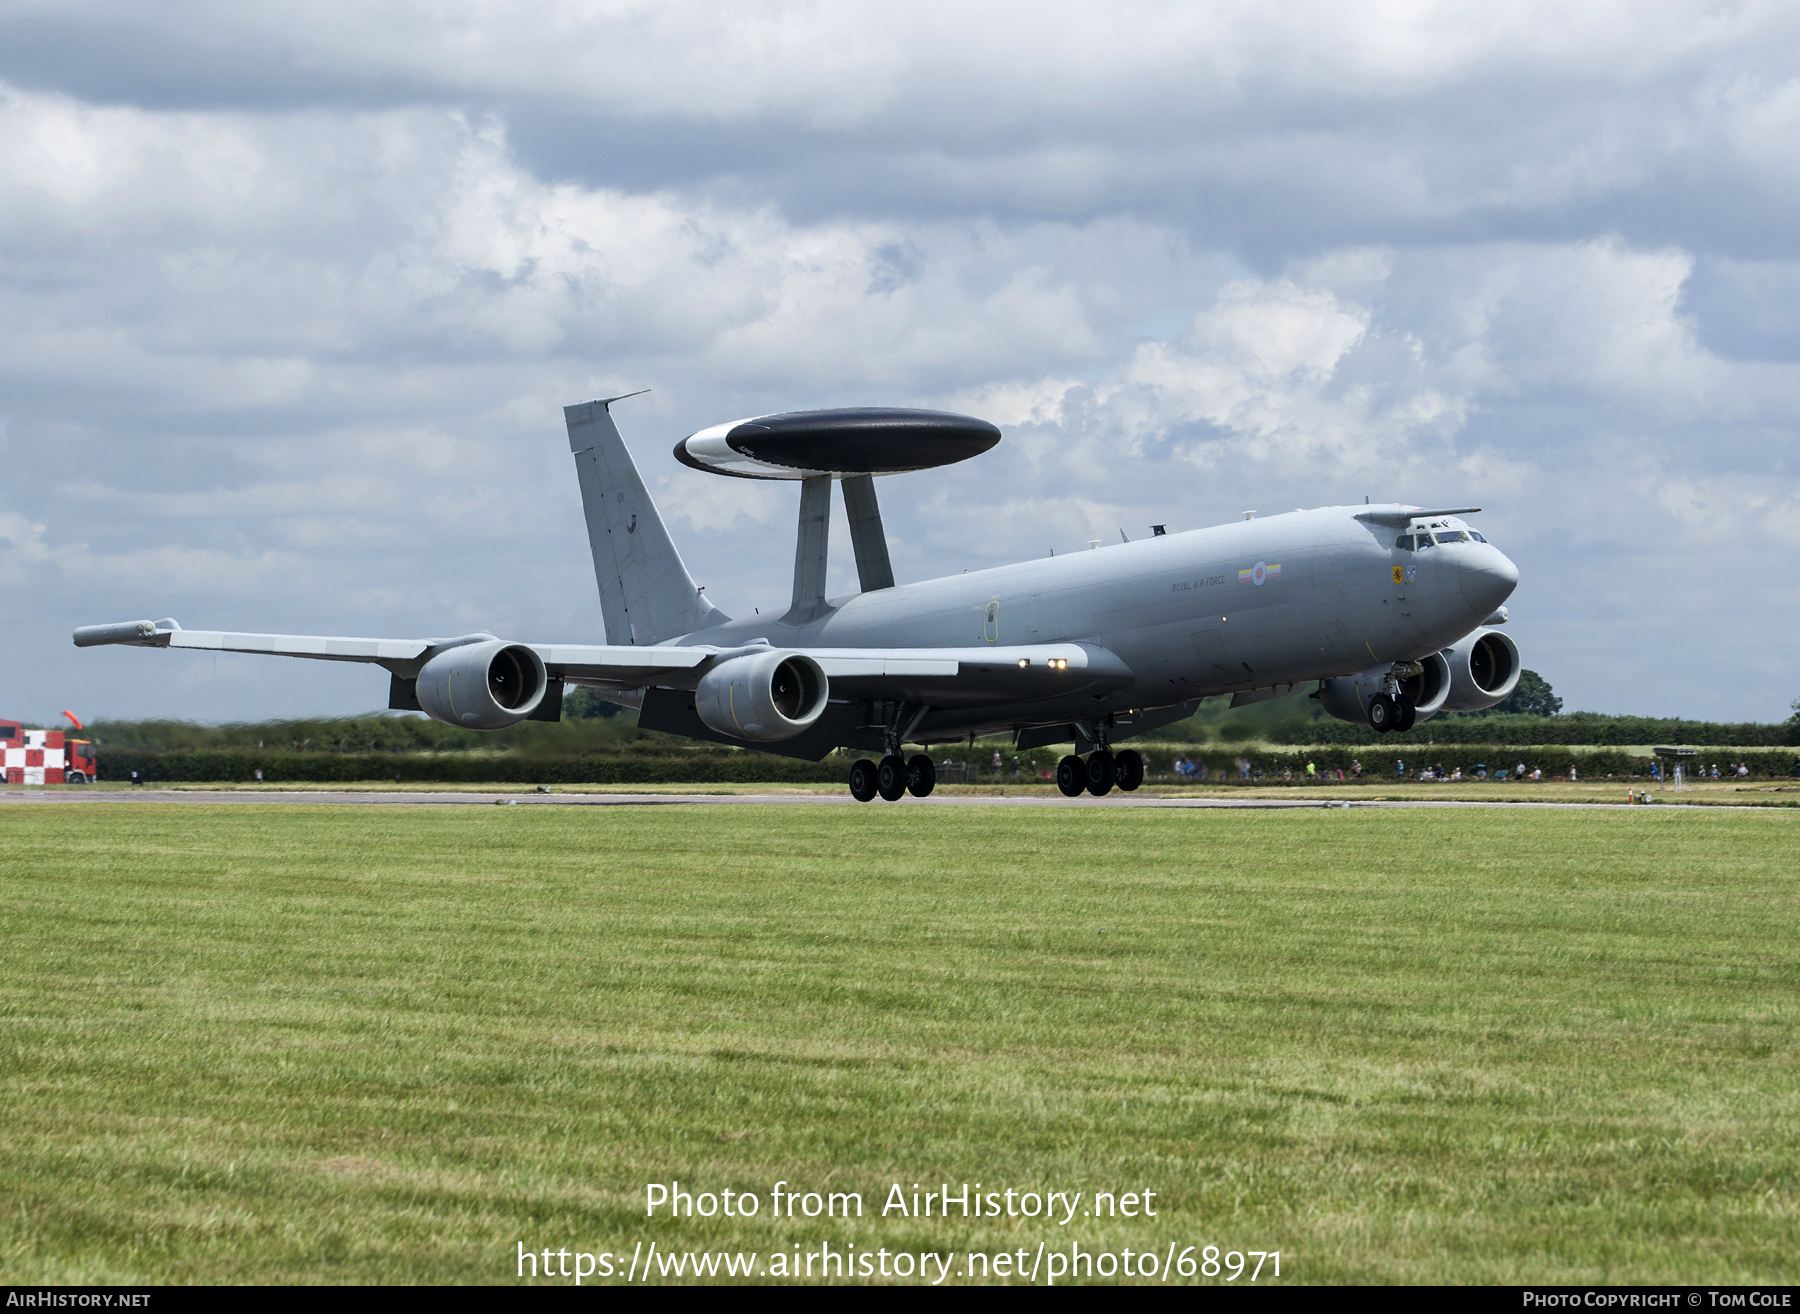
column 1532, row 697
column 583, row 704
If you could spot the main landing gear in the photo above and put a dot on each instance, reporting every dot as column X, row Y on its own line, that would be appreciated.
column 1100, row 772
column 1394, row 712
column 892, row 778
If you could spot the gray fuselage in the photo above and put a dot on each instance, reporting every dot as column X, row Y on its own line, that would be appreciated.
column 1274, row 601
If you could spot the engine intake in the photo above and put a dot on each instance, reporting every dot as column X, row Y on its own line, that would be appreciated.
column 1484, row 669
column 762, row 696
column 483, row 686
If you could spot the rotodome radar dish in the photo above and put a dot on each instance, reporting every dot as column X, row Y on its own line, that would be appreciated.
column 857, row 440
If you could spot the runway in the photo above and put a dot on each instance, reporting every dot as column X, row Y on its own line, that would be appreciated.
column 376, row 798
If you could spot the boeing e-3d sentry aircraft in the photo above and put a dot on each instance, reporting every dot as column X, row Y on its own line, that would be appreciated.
column 1391, row 608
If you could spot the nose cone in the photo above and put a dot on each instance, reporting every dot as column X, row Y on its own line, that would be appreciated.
column 1487, row 577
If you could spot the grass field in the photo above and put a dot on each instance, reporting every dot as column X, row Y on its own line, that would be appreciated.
column 324, row 1044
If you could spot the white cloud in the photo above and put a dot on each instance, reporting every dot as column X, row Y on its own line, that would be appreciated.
column 291, row 355
column 22, row 547
column 1747, row 508
column 704, row 503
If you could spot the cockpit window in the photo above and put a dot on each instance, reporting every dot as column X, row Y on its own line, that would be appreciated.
column 1404, row 543
column 1424, row 541
column 1453, row 536
column 1476, row 535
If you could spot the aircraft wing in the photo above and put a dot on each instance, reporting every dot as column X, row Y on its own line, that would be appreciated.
column 144, row 634
column 624, row 665
column 944, row 677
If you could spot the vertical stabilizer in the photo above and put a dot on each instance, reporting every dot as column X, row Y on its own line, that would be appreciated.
column 646, row 593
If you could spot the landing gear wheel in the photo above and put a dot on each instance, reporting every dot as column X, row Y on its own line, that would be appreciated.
column 1129, row 766
column 1383, row 713
column 921, row 776
column 1102, row 771
column 1071, row 775
column 1409, row 712
column 890, row 777
column 862, row 780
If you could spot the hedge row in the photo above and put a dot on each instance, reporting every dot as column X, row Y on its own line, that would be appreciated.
column 747, row 767
column 1381, row 762
column 1575, row 728
column 469, row 768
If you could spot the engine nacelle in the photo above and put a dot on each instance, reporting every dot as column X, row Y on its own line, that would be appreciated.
column 762, row 696
column 1484, row 669
column 483, row 686
column 1347, row 697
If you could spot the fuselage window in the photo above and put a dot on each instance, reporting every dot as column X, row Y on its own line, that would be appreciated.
column 1404, row 543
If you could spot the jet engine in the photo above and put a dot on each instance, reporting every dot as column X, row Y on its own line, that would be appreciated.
column 1484, row 668
column 1347, row 697
column 483, row 686
column 762, row 696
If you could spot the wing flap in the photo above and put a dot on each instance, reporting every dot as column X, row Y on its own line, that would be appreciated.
column 971, row 677
column 616, row 663
column 946, row 661
column 844, row 668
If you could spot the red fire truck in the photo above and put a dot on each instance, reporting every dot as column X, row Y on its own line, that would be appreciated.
column 45, row 757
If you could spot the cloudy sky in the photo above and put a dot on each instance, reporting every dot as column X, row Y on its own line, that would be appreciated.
column 291, row 298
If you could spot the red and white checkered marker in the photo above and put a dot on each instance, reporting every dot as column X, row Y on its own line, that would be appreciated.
column 41, row 758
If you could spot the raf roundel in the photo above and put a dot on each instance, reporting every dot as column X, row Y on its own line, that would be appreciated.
column 866, row 440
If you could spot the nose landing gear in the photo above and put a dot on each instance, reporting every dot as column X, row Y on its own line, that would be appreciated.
column 1394, row 712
